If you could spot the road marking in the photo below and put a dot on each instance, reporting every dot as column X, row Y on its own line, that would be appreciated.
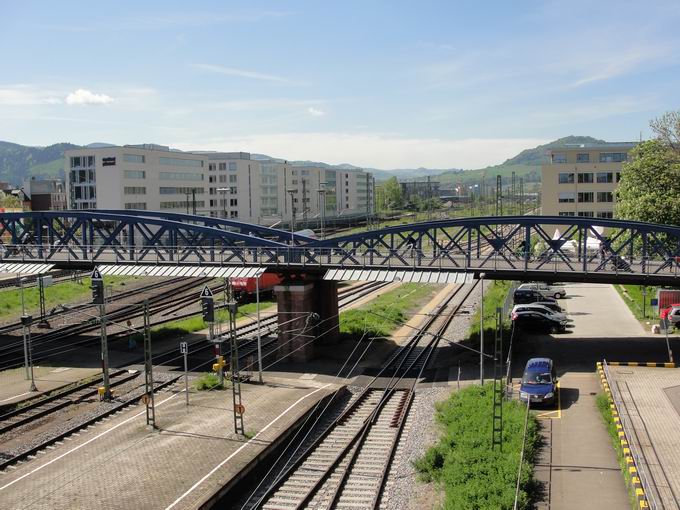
column 548, row 414
column 16, row 396
column 191, row 489
column 84, row 444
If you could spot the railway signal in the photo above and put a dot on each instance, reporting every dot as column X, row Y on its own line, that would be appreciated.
column 208, row 305
column 98, row 299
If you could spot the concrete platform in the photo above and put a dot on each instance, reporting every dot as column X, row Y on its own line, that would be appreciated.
column 122, row 463
column 14, row 387
column 648, row 400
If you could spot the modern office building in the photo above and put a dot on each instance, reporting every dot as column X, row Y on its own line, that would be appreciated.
column 217, row 184
column 580, row 179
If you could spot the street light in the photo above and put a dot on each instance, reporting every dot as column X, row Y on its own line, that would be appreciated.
column 292, row 191
column 224, row 191
column 322, row 205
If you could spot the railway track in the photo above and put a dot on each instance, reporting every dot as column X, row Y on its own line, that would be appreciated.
column 345, row 464
column 75, row 395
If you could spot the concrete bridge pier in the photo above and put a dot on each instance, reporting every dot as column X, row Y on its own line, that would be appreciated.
column 307, row 316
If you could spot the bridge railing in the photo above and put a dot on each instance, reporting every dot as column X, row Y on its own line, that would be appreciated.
column 556, row 262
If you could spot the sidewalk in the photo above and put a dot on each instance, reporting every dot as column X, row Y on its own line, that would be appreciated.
column 122, row 463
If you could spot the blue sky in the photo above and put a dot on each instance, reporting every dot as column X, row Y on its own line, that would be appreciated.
column 382, row 84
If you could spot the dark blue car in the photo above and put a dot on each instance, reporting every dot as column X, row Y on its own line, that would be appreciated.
column 539, row 382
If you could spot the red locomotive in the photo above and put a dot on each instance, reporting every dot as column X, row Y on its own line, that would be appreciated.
column 244, row 288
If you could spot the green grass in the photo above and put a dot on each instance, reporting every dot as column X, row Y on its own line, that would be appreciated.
column 603, row 406
column 59, row 293
column 385, row 314
column 632, row 295
column 472, row 475
column 208, row 381
column 494, row 296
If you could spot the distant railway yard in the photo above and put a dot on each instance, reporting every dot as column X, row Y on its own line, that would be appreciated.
column 248, row 405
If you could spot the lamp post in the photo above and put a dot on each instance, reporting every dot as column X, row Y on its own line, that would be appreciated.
column 291, row 192
column 322, row 205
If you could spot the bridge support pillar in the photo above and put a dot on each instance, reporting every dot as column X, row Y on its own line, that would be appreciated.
column 308, row 315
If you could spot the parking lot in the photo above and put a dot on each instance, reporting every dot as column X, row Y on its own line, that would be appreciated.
column 577, row 466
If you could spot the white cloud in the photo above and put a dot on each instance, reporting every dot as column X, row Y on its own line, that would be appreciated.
column 374, row 150
column 243, row 73
column 315, row 112
column 83, row 96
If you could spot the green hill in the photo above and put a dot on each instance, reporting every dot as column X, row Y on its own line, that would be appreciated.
column 18, row 162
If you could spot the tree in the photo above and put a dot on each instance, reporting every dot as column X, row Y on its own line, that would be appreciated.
column 392, row 190
column 8, row 201
column 650, row 184
column 667, row 129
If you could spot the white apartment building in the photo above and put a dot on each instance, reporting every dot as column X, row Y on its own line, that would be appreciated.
column 218, row 184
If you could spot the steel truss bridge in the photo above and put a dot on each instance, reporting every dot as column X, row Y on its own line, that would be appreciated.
column 546, row 248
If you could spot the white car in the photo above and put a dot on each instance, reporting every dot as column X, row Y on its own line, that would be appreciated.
column 533, row 307
column 546, row 289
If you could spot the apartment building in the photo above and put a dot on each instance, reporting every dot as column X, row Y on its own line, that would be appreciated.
column 580, row 179
column 217, row 184
column 46, row 194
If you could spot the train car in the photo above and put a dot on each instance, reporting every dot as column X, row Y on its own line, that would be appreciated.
column 244, row 288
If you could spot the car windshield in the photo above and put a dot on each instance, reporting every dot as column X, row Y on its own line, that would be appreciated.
column 536, row 377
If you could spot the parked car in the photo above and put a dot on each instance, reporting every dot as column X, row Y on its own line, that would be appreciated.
column 532, row 320
column 549, row 290
column 672, row 314
column 539, row 382
column 523, row 296
column 539, row 308
column 665, row 311
column 552, row 305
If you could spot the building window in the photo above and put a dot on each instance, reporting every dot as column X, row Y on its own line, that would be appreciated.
column 586, row 197
column 134, row 174
column 211, row 167
column 604, row 177
column 82, row 161
column 585, row 178
column 181, row 204
column 232, row 166
column 583, row 158
column 233, row 191
column 179, row 176
column 134, row 190
column 134, row 158
column 566, row 178
column 233, row 214
column 568, row 197
column 211, row 178
column 181, row 190
column 566, row 213
column 605, row 196
column 605, row 214
column 613, row 157
column 586, row 214
column 213, row 202
column 180, row 162
column 223, row 166
column 233, row 202
column 559, row 157
column 618, row 176
column 136, row 205
column 223, row 178
column 232, row 179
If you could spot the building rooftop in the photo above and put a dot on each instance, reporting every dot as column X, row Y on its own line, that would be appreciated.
column 594, row 146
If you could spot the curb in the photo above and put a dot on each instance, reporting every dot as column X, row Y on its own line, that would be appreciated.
column 639, row 364
column 630, row 461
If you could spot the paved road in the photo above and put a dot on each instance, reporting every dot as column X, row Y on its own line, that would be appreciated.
column 577, row 467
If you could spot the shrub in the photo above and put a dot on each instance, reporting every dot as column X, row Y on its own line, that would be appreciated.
column 208, row 381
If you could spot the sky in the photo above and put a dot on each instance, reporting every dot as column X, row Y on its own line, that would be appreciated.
column 383, row 84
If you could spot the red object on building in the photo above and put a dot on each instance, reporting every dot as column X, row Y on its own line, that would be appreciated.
column 244, row 288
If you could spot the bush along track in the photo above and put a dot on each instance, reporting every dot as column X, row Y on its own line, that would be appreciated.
column 462, row 463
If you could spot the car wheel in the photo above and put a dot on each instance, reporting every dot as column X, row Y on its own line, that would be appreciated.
column 557, row 295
